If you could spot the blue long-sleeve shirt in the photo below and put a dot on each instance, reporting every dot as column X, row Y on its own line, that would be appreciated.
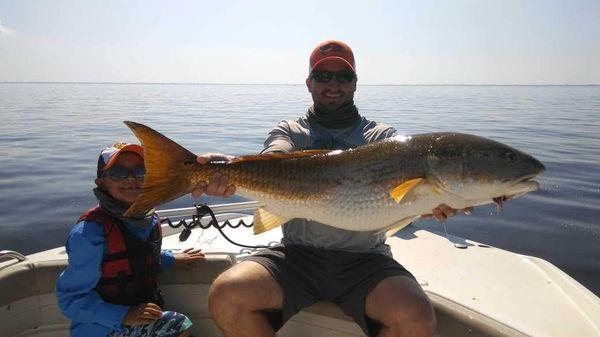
column 87, row 247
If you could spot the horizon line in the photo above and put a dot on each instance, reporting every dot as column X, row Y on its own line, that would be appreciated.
column 287, row 84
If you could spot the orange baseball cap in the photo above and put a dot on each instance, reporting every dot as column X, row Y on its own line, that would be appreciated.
column 332, row 51
column 109, row 155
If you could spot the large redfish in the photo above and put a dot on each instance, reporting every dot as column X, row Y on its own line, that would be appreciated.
column 380, row 186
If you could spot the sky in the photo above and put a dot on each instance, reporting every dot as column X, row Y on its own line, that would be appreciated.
column 394, row 42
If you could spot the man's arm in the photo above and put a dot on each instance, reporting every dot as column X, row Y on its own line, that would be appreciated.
column 279, row 140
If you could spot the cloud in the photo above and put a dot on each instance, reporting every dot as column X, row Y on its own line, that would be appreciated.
column 5, row 31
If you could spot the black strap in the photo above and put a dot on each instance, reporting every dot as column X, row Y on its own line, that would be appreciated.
column 201, row 211
column 123, row 278
column 129, row 254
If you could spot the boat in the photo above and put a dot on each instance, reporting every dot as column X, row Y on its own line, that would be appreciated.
column 476, row 289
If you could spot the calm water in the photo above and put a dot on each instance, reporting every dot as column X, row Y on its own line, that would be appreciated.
column 50, row 136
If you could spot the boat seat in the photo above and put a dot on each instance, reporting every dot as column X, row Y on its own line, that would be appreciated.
column 30, row 278
column 328, row 309
column 453, row 319
column 28, row 305
column 37, row 278
column 205, row 272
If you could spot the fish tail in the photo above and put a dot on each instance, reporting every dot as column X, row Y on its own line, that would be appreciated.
column 169, row 169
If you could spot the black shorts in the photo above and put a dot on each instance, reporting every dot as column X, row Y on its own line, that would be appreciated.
column 308, row 275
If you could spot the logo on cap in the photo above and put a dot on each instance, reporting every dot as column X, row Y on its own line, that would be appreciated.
column 330, row 48
column 120, row 145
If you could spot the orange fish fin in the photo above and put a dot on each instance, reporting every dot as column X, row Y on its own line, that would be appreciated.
column 401, row 190
column 168, row 169
column 269, row 156
column 396, row 226
column 265, row 221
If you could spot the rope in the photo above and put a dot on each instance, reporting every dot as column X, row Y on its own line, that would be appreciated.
column 201, row 211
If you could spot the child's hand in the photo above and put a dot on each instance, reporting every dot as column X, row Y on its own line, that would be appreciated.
column 188, row 257
column 144, row 313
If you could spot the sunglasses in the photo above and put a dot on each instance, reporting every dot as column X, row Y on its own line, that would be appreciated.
column 118, row 172
column 324, row 76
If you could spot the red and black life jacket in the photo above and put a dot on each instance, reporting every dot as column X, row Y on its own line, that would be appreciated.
column 130, row 271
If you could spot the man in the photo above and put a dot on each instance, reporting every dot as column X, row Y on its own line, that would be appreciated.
column 317, row 262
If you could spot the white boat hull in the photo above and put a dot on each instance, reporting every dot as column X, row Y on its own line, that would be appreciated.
column 477, row 291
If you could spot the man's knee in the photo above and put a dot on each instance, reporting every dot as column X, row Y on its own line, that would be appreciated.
column 402, row 306
column 223, row 294
column 245, row 287
column 418, row 317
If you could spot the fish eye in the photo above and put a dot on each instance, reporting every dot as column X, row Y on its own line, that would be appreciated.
column 510, row 156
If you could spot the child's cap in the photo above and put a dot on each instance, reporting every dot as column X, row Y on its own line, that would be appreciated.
column 109, row 155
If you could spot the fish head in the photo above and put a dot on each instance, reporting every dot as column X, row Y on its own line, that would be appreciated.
column 477, row 169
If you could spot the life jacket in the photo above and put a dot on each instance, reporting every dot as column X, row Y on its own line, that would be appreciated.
column 130, row 271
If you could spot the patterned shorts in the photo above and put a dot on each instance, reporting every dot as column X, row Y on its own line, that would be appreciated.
column 172, row 324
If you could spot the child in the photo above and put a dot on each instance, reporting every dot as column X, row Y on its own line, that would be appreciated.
column 110, row 286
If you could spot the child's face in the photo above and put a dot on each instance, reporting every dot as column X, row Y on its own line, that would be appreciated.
column 125, row 190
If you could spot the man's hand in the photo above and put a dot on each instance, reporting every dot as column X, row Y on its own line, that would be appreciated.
column 144, row 313
column 188, row 258
column 443, row 212
column 218, row 184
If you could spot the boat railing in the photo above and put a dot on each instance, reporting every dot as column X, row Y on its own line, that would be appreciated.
column 187, row 212
column 11, row 254
column 217, row 216
column 217, row 209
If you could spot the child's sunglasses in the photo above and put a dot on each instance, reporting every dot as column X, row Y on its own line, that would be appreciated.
column 324, row 76
column 118, row 172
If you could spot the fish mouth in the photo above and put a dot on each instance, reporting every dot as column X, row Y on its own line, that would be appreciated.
column 528, row 177
column 521, row 186
column 525, row 178
column 526, row 184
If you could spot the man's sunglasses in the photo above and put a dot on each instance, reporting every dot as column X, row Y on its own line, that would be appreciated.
column 118, row 172
column 324, row 76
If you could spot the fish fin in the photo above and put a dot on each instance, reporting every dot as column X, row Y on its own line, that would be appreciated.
column 277, row 155
column 265, row 221
column 401, row 190
column 396, row 226
column 168, row 169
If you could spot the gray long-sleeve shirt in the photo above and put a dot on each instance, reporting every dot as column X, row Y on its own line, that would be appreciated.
column 301, row 135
